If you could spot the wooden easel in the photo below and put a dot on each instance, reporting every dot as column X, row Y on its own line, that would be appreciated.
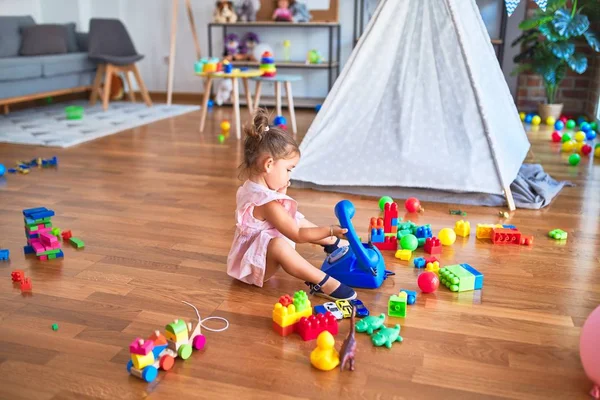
column 188, row 6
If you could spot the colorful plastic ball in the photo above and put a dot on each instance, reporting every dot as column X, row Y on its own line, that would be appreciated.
column 574, row 159
column 528, row 118
column 280, row 120
column 522, row 115
column 581, row 120
column 383, row 201
column 210, row 103
column 409, row 242
column 447, row 236
column 594, row 125
column 536, row 120
column 2, row 169
column 565, row 138
column 597, row 151
column 571, row 124
column 221, row 138
column 564, row 119
column 590, row 135
column 567, row 147
column 225, row 126
column 412, row 205
column 556, row 137
column 428, row 282
column 578, row 146
column 586, row 150
column 550, row 121
column 589, row 346
column 580, row 136
column 585, row 127
column 559, row 125
column 318, row 107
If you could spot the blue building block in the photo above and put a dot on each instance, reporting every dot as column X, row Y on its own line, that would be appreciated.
column 12, row 171
column 394, row 221
column 29, row 211
column 4, row 254
column 60, row 254
column 509, row 226
column 377, row 235
column 423, row 232
column 419, row 262
column 320, row 310
column 411, row 296
column 478, row 276
column 28, row 250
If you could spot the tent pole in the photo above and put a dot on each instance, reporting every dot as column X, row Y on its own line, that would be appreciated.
column 509, row 198
column 172, row 53
column 193, row 26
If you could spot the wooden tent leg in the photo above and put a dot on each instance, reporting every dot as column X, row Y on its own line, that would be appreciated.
column 509, row 198
column 172, row 53
column 188, row 5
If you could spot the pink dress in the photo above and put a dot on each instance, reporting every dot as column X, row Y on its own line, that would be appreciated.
column 247, row 258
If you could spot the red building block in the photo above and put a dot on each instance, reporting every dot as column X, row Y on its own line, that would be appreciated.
column 376, row 223
column 26, row 285
column 309, row 328
column 66, row 235
column 390, row 211
column 389, row 243
column 431, row 259
column 17, row 275
column 527, row 240
column 433, row 246
column 284, row 331
column 505, row 236
column 141, row 346
column 286, row 300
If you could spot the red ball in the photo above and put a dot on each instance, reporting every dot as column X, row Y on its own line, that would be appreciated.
column 586, row 149
column 563, row 119
column 556, row 137
column 428, row 282
column 412, row 205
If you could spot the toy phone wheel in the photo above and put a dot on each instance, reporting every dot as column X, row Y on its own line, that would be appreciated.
column 199, row 342
column 129, row 366
column 166, row 362
column 185, row 351
column 149, row 373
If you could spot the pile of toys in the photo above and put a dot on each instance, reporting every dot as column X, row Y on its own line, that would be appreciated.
column 267, row 65
column 24, row 167
column 43, row 239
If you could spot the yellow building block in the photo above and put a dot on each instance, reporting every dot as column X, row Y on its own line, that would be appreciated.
column 433, row 267
column 286, row 316
column 462, row 228
column 484, row 231
column 140, row 361
column 403, row 254
column 177, row 331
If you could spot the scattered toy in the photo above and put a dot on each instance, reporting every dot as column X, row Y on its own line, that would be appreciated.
column 387, row 336
column 325, row 357
column 460, row 278
column 359, row 307
column 413, row 205
column 462, row 228
column 345, row 307
column 447, row 236
column 4, row 254
column 428, row 282
column 54, row 327
column 397, row 305
column 370, row 324
column 503, row 214
column 458, row 212
column 558, row 234
column 348, row 350
column 411, row 296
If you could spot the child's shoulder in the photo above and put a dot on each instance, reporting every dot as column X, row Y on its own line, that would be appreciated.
column 258, row 195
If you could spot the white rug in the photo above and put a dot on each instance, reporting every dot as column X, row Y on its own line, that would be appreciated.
column 48, row 125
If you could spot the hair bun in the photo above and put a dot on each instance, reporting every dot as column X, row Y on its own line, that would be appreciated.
column 260, row 124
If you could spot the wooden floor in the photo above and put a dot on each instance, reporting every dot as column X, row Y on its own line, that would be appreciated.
column 155, row 206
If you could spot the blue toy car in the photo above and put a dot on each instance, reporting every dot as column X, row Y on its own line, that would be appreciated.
column 361, row 310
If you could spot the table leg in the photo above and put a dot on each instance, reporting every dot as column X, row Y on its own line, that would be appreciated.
column 248, row 96
column 236, row 107
column 257, row 94
column 206, row 97
column 278, row 97
column 290, row 100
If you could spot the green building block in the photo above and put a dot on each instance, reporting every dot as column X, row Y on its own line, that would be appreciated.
column 79, row 244
column 558, row 234
column 301, row 300
column 422, row 241
column 48, row 253
column 456, row 278
column 56, row 232
column 397, row 305
column 54, row 327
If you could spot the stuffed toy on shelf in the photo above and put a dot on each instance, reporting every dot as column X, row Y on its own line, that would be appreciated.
column 247, row 45
column 300, row 12
column 224, row 13
column 247, row 9
column 282, row 13
column 232, row 47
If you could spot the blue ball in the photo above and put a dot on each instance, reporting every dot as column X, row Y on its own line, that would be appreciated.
column 279, row 120
column 2, row 169
column 589, row 135
column 559, row 125
column 318, row 107
column 581, row 120
column 585, row 126
column 211, row 103
column 528, row 118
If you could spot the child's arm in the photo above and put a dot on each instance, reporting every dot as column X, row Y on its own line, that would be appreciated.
column 276, row 215
column 304, row 223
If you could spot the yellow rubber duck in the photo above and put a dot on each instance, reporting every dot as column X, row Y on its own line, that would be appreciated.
column 325, row 357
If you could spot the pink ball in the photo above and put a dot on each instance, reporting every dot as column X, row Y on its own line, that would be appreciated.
column 586, row 149
column 428, row 282
column 589, row 347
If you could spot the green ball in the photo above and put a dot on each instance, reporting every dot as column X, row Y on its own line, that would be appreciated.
column 594, row 125
column 54, row 327
column 566, row 137
column 383, row 201
column 221, row 138
column 409, row 242
column 574, row 159
column 571, row 124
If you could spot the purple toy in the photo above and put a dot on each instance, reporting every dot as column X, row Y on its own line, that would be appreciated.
column 232, row 42
column 246, row 49
column 348, row 350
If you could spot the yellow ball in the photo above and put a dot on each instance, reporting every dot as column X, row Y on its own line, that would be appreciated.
column 550, row 121
column 597, row 152
column 536, row 120
column 447, row 236
column 567, row 147
column 580, row 136
column 225, row 126
column 522, row 116
column 579, row 146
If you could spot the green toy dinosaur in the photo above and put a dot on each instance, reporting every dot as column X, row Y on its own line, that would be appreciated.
column 370, row 323
column 387, row 336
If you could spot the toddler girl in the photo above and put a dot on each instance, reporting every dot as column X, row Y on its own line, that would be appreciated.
column 268, row 225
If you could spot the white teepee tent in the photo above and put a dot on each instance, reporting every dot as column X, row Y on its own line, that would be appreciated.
column 421, row 103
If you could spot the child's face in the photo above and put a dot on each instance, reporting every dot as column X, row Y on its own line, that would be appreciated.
column 278, row 171
column 283, row 4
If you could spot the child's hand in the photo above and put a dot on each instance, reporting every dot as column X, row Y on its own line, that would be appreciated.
column 338, row 231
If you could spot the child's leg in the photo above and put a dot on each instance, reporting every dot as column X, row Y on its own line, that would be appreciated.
column 304, row 223
column 280, row 253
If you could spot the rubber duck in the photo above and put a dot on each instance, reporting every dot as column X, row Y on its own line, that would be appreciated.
column 325, row 357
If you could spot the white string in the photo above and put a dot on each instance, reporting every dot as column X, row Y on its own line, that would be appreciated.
column 201, row 321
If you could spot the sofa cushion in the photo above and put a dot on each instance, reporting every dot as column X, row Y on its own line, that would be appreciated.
column 10, row 34
column 39, row 40
column 66, row 64
column 82, row 41
column 15, row 68
column 71, row 38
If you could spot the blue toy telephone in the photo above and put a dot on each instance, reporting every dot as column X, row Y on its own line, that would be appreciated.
column 359, row 265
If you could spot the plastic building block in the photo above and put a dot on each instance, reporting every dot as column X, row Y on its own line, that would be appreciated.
column 558, row 234
column 26, row 285
column 284, row 330
column 141, row 346
column 309, row 328
column 78, row 243
column 397, row 305
column 4, row 254
column 345, row 307
column 301, row 301
column 370, row 324
column 66, row 235
column 395, row 222
column 419, row 262
column 376, row 223
column 431, row 259
column 43, row 258
column 462, row 228
column 422, row 241
column 56, row 232
column 286, row 300
column 423, row 232
column 457, row 278
column 141, row 361
column 389, row 243
column 286, row 316
column 361, row 310
column 334, row 309
column 390, row 211
column 320, row 310
column 433, row 245
column 411, row 296
column 484, row 231
column 478, row 276
column 387, row 336
column 527, row 240
column 377, row 235
column 433, row 267
column 506, row 236
column 325, row 357
column 17, row 275
column 404, row 255
column 54, row 327
column 509, row 227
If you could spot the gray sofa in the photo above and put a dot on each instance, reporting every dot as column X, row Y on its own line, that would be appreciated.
column 26, row 78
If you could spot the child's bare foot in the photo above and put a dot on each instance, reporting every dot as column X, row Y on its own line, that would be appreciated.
column 332, row 289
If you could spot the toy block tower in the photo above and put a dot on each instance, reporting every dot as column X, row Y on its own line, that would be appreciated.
column 141, row 353
column 383, row 231
column 38, row 231
column 376, row 230
column 285, row 317
column 390, row 219
column 462, row 228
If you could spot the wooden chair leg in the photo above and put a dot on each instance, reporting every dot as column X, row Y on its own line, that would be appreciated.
column 107, row 82
column 206, row 97
column 130, row 92
column 140, row 82
column 96, row 85
column 5, row 109
column 278, row 97
column 290, row 100
column 248, row 96
column 257, row 89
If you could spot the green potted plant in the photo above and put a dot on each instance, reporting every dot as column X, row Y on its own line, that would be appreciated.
column 549, row 43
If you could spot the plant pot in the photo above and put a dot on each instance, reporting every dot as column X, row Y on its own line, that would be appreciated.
column 550, row 110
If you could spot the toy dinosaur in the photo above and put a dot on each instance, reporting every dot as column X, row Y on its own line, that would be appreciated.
column 348, row 350
column 370, row 323
column 387, row 336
